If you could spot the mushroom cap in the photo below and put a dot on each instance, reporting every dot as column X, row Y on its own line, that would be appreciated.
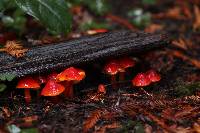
column 112, row 67
column 126, row 63
column 52, row 88
column 28, row 82
column 141, row 80
column 153, row 76
column 71, row 74
column 101, row 88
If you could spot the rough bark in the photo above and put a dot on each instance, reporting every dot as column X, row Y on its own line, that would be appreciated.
column 80, row 51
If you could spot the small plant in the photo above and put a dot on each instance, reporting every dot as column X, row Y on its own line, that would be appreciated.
column 5, row 77
column 53, row 14
column 139, row 18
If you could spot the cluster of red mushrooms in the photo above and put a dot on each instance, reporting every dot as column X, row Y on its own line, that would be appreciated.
column 55, row 84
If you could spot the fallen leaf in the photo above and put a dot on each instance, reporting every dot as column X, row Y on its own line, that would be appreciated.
column 172, row 13
column 153, row 28
column 180, row 43
column 196, row 127
column 91, row 120
column 14, row 48
column 196, row 23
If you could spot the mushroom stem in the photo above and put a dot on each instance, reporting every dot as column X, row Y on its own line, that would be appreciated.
column 27, row 95
column 121, row 76
column 69, row 89
column 113, row 81
column 54, row 99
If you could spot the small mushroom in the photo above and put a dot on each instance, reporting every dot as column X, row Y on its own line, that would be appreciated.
column 125, row 63
column 101, row 89
column 52, row 88
column 112, row 68
column 28, row 83
column 153, row 76
column 141, row 80
column 70, row 76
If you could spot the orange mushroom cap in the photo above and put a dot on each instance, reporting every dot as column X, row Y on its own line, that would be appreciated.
column 28, row 82
column 112, row 67
column 126, row 63
column 70, row 74
column 52, row 88
column 141, row 80
column 153, row 76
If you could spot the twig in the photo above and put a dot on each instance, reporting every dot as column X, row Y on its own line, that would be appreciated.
column 121, row 21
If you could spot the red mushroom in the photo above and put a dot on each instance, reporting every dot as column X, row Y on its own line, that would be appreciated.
column 153, row 76
column 141, row 80
column 101, row 89
column 28, row 83
column 112, row 68
column 52, row 88
column 125, row 63
column 70, row 75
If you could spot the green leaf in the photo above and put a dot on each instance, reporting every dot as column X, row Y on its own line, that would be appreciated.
column 7, row 20
column 52, row 13
column 2, row 87
column 139, row 18
column 187, row 89
column 100, row 7
column 7, row 76
column 7, row 4
column 139, row 128
column 29, row 130
column 13, row 129
column 149, row 2
column 93, row 25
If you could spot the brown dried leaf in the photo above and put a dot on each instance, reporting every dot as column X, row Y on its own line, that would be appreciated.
column 172, row 13
column 196, row 127
column 108, row 126
column 30, row 118
column 6, row 111
column 158, row 121
column 196, row 23
column 92, row 120
column 153, row 28
column 186, row 11
column 183, row 130
column 193, row 98
column 180, row 43
column 168, row 114
column 148, row 128
column 184, row 57
column 187, row 110
column 14, row 48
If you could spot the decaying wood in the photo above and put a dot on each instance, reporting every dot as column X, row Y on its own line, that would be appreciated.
column 80, row 51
